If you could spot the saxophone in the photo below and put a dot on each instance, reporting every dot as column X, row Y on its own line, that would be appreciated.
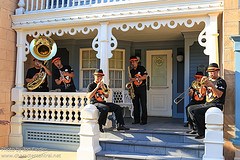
column 129, row 86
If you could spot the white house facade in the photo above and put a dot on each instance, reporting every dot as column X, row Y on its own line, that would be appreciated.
column 104, row 34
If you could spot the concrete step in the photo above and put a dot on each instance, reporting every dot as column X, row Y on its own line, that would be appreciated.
column 156, row 148
column 116, row 155
column 150, row 135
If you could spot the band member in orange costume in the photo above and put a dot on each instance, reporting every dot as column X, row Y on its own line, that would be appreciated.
column 138, row 78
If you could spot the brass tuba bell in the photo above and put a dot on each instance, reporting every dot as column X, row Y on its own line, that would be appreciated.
column 43, row 48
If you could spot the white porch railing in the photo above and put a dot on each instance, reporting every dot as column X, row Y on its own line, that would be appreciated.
column 39, row 5
column 53, row 107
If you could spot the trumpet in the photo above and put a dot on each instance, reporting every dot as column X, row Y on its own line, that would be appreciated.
column 105, row 89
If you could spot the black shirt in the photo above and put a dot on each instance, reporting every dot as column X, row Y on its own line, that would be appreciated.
column 65, row 87
column 140, row 70
column 98, row 97
column 44, row 86
column 221, row 85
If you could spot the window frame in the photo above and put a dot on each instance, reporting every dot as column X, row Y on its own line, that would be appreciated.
column 110, row 69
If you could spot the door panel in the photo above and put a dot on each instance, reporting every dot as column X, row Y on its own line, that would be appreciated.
column 159, row 66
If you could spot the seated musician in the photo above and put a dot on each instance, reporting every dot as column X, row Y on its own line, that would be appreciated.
column 196, row 98
column 215, row 97
column 33, row 75
column 97, row 92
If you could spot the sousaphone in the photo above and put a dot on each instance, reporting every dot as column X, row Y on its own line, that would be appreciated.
column 43, row 48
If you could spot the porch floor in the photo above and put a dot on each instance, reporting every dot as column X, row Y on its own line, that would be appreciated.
column 155, row 124
column 158, row 124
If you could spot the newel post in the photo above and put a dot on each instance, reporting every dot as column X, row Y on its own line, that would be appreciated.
column 89, row 134
column 214, row 135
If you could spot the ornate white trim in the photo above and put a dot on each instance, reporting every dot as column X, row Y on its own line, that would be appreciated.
column 77, row 15
column 59, row 32
column 157, row 24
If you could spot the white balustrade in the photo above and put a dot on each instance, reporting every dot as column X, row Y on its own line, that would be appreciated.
column 53, row 107
column 38, row 5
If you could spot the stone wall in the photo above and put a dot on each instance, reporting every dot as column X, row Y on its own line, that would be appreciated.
column 7, row 64
column 231, row 27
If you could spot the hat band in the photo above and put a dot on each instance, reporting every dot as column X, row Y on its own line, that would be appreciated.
column 212, row 69
column 101, row 74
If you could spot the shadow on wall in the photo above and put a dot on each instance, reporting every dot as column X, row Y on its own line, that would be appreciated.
column 229, row 114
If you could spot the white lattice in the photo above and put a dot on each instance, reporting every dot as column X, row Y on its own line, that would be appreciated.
column 122, row 98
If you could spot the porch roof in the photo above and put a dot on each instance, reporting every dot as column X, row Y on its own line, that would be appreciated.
column 90, row 12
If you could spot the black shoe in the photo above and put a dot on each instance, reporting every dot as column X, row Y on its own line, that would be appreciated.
column 143, row 123
column 135, row 122
column 191, row 132
column 101, row 129
column 122, row 127
column 200, row 137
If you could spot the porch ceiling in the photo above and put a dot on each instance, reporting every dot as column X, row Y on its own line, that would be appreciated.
column 146, row 35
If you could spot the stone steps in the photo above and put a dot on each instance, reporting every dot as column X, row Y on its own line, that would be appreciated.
column 109, row 155
column 149, row 144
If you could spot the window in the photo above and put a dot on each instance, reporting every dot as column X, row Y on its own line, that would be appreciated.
column 116, row 69
column 89, row 62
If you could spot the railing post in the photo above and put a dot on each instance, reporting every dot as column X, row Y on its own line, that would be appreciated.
column 214, row 135
column 89, row 134
column 21, row 5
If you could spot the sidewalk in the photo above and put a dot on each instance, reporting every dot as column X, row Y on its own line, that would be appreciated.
column 35, row 154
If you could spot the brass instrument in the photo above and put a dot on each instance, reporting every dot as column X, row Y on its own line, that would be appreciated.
column 129, row 86
column 38, row 81
column 105, row 89
column 100, row 94
column 43, row 48
column 195, row 84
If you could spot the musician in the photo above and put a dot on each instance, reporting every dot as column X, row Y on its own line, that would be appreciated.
column 32, row 74
column 97, row 92
column 215, row 97
column 63, row 76
column 138, row 78
column 197, row 97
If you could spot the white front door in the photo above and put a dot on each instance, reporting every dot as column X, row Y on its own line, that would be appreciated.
column 159, row 97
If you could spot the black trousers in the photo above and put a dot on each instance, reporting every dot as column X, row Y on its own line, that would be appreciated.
column 199, row 115
column 140, row 102
column 106, row 107
column 189, row 112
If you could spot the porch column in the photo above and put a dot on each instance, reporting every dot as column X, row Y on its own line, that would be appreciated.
column 104, row 50
column 189, row 39
column 212, row 38
column 16, row 138
column 236, row 140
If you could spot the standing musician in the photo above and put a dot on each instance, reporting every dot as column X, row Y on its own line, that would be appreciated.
column 198, row 96
column 63, row 76
column 97, row 92
column 138, row 78
column 215, row 97
column 33, row 74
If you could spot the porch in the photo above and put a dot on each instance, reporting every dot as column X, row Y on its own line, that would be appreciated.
column 160, row 135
